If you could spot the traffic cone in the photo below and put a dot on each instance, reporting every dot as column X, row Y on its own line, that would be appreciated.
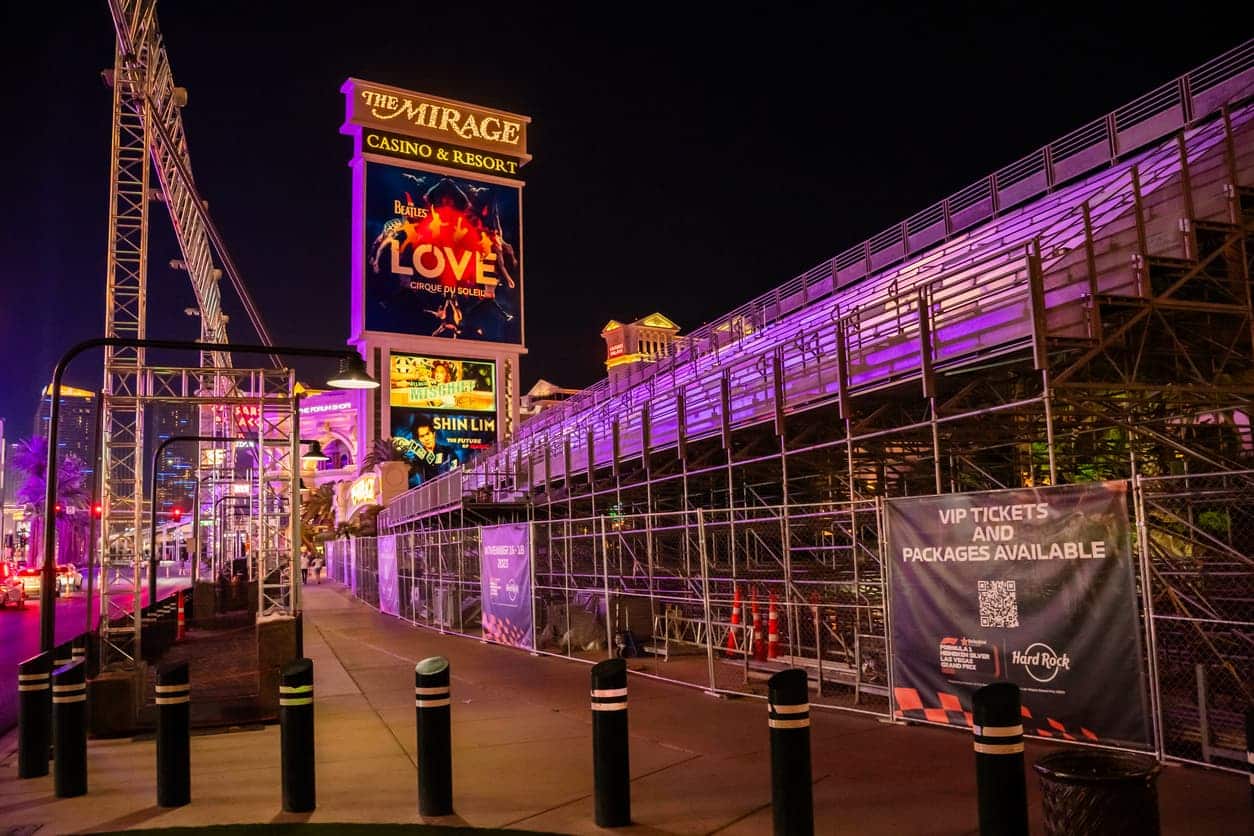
column 735, row 622
column 759, row 646
column 772, row 631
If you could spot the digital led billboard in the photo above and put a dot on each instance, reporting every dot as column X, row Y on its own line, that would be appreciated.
column 443, row 383
column 443, row 255
column 443, row 410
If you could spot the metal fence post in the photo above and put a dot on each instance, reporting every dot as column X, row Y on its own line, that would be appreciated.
column 1147, row 593
column 705, row 596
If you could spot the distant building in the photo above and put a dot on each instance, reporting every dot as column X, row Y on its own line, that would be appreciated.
column 330, row 417
column 9, row 481
column 630, row 345
column 176, row 471
column 543, row 395
column 77, row 431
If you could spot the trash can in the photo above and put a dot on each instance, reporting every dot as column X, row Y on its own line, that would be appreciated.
column 1088, row 791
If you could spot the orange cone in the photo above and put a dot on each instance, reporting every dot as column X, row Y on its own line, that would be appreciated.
column 759, row 646
column 772, row 631
column 182, row 621
column 735, row 622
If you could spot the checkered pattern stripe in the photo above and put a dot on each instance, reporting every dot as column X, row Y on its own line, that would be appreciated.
column 505, row 631
column 948, row 709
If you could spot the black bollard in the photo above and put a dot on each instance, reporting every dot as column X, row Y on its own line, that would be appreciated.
column 296, row 733
column 69, row 722
column 998, row 728
column 610, row 757
column 63, row 654
column 78, row 648
column 792, row 799
column 435, row 737
column 174, row 753
column 34, row 715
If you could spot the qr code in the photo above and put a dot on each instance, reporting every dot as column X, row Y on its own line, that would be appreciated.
column 999, row 607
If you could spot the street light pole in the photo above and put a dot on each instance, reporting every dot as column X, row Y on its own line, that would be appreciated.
column 352, row 376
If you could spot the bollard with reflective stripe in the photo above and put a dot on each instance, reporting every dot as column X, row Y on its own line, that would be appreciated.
column 69, row 721
column 34, row 715
column 432, row 705
column 610, row 757
column 63, row 654
column 78, row 648
column 296, row 731
column 998, row 728
column 182, row 618
column 174, row 758
column 788, row 717
column 435, row 737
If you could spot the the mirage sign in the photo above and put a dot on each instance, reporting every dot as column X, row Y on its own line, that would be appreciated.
column 1032, row 586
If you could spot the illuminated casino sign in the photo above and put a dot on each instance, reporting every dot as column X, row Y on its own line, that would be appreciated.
column 431, row 117
column 418, row 150
column 437, row 268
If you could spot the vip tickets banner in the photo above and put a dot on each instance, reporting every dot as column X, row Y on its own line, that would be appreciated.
column 443, row 255
column 505, row 564
column 389, row 591
column 1032, row 586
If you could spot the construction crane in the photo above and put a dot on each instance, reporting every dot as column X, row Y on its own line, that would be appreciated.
column 147, row 126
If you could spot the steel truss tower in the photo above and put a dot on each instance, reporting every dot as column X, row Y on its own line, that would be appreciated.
column 147, row 125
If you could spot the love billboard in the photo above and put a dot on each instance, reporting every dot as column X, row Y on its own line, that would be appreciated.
column 443, row 255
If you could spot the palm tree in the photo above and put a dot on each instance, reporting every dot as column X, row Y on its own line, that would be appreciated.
column 317, row 514
column 31, row 458
column 383, row 450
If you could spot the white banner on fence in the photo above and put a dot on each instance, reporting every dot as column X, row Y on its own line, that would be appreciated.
column 389, row 591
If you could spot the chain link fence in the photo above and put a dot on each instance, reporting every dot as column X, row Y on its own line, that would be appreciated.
column 1196, row 536
column 721, row 599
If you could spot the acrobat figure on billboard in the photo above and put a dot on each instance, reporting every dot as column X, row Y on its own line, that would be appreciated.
column 450, row 316
column 397, row 232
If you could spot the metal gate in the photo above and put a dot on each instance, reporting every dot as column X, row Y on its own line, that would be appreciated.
column 1196, row 539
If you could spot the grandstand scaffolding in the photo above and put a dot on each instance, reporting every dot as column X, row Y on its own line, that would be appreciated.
column 1083, row 314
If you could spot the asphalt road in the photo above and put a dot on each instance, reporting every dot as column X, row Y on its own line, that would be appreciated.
column 19, row 637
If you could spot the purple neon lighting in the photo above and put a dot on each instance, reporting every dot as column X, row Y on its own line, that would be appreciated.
column 979, row 299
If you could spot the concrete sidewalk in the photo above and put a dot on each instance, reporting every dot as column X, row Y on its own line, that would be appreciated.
column 523, row 753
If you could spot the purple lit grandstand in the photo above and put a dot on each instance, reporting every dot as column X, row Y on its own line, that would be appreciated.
column 1081, row 315
column 1095, row 279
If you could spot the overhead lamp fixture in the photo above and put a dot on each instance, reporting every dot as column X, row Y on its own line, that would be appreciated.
column 314, row 453
column 352, row 375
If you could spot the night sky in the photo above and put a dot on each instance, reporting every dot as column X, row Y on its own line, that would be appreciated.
column 683, row 162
